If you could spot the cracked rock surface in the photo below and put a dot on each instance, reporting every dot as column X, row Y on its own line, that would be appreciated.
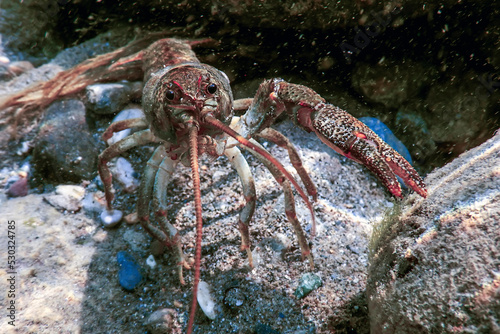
column 436, row 266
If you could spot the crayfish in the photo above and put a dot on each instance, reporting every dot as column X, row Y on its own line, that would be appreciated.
column 189, row 111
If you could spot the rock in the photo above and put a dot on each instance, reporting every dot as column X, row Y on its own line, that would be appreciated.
column 414, row 132
column 39, row 74
column 94, row 202
column 150, row 261
column 131, row 218
column 457, row 114
column 66, row 197
column 124, row 173
column 76, row 192
column 13, row 69
column 123, row 115
column 161, row 321
column 24, row 147
column 392, row 82
column 63, row 203
column 97, row 183
column 111, row 218
column 64, row 149
column 206, row 301
column 386, row 135
column 107, row 98
column 234, row 298
column 308, row 282
column 20, row 187
column 130, row 272
column 435, row 261
column 157, row 248
column 105, row 42
column 27, row 27
column 67, row 58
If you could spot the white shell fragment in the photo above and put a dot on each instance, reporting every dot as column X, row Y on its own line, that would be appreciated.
column 205, row 300
column 111, row 217
column 124, row 173
column 150, row 261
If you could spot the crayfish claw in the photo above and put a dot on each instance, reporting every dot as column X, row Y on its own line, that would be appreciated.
column 363, row 152
column 353, row 139
column 402, row 168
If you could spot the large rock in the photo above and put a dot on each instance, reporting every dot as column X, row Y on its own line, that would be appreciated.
column 458, row 110
column 67, row 58
column 392, row 82
column 27, row 28
column 64, row 149
column 435, row 267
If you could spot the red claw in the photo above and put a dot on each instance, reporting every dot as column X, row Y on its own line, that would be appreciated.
column 350, row 137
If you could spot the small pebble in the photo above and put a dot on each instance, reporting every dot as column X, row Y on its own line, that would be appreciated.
column 111, row 218
column 130, row 272
column 205, row 300
column 73, row 191
column 20, row 187
column 94, row 202
column 308, row 282
column 124, row 173
column 100, row 236
column 62, row 202
column 66, row 197
column 107, row 98
column 234, row 298
column 157, row 248
column 131, row 218
column 161, row 321
column 97, row 182
column 150, row 261
column 25, row 147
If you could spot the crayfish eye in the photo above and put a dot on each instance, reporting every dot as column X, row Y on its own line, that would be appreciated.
column 170, row 95
column 212, row 88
